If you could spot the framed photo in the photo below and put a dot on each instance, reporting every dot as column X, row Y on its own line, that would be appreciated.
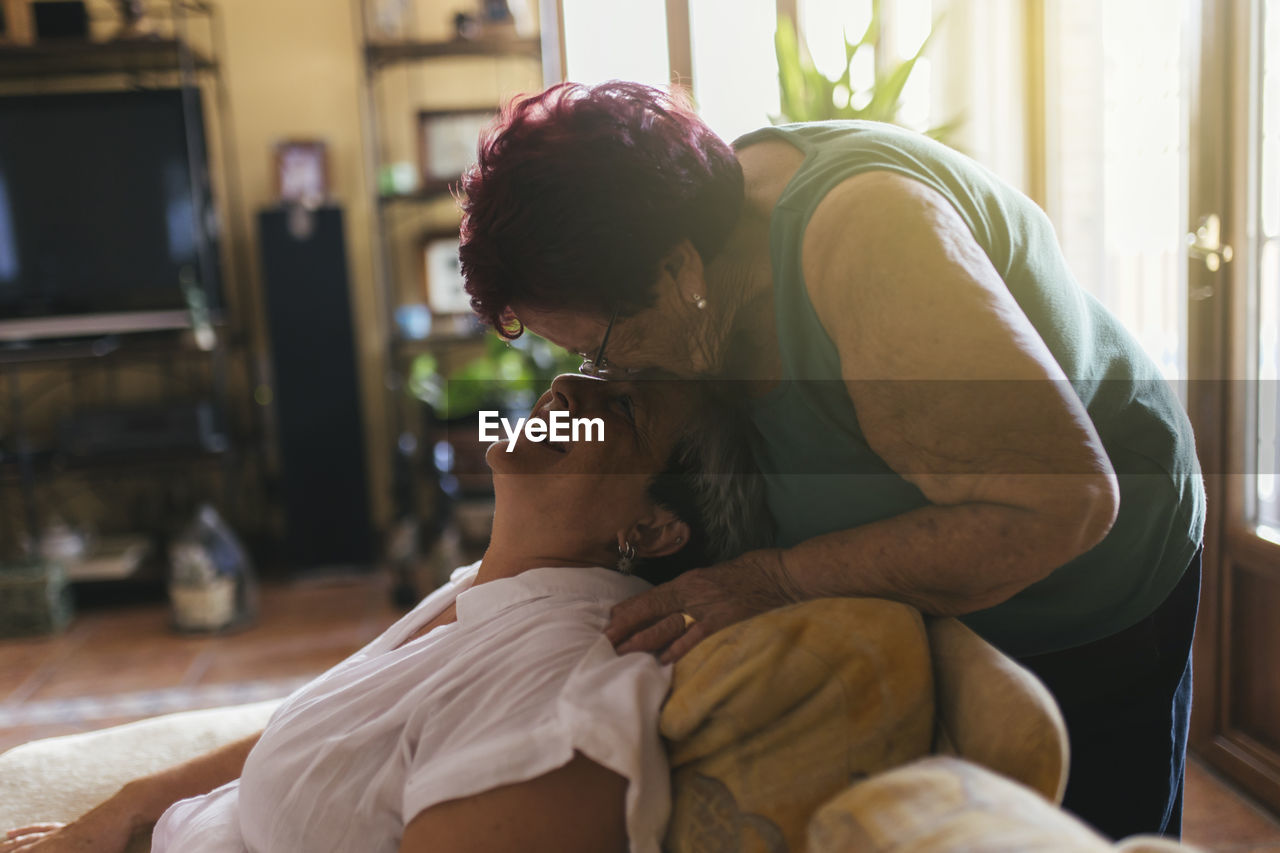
column 442, row 272
column 447, row 143
column 302, row 171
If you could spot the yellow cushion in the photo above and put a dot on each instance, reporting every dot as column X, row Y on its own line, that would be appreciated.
column 993, row 712
column 945, row 805
column 773, row 716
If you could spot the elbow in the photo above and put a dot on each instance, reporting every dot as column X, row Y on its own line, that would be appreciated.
column 1101, row 508
column 1087, row 512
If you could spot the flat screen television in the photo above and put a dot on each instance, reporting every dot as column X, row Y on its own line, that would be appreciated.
column 105, row 210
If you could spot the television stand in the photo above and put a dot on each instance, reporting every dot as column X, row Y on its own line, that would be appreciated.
column 81, row 325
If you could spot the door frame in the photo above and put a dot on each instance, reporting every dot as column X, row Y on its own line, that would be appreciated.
column 1221, row 356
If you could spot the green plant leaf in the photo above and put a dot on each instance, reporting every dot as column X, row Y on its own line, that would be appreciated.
column 888, row 95
column 871, row 35
column 942, row 132
column 791, row 71
column 508, row 374
column 806, row 94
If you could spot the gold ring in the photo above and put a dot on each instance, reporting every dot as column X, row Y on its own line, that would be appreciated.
column 688, row 620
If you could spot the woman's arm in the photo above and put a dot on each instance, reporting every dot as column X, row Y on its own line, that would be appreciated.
column 957, row 393
column 955, row 390
column 578, row 808
column 138, row 804
column 151, row 795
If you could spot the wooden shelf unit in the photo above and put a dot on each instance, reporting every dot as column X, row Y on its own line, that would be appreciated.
column 184, row 56
column 80, row 58
column 381, row 53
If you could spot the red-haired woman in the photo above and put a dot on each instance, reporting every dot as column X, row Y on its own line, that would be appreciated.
column 945, row 417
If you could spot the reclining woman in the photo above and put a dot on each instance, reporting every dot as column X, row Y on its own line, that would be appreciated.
column 495, row 715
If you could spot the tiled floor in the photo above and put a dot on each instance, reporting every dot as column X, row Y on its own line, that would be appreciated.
column 123, row 663
column 1216, row 818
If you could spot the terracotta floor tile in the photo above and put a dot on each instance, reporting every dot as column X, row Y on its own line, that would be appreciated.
column 121, row 651
column 20, row 660
column 143, row 620
column 1219, row 819
column 120, row 670
column 304, row 627
column 278, row 659
column 30, row 662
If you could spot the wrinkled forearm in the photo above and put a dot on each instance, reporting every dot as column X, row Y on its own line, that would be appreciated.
column 945, row 560
column 144, row 800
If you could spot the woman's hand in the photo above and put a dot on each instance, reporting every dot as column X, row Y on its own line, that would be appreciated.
column 141, row 802
column 105, row 829
column 715, row 597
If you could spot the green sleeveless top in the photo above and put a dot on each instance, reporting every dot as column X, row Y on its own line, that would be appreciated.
column 822, row 476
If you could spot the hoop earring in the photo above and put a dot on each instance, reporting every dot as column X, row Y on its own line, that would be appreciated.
column 626, row 557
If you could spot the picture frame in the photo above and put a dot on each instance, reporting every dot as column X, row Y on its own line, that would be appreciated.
column 447, row 144
column 302, row 171
column 443, row 283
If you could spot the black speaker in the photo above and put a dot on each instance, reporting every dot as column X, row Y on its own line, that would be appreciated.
column 60, row 19
column 319, row 429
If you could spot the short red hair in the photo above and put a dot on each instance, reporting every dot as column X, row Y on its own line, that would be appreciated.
column 580, row 191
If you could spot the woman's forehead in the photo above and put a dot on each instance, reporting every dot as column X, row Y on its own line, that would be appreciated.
column 667, row 401
column 571, row 330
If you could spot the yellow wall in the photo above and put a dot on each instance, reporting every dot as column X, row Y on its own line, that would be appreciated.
column 293, row 70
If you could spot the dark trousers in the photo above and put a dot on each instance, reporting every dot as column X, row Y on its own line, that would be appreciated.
column 1126, row 700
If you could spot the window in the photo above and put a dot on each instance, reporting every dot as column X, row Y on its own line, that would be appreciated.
column 733, row 68
column 624, row 41
column 735, row 71
column 1264, row 272
column 1116, row 139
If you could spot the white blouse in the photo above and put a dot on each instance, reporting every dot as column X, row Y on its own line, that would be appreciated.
column 507, row 693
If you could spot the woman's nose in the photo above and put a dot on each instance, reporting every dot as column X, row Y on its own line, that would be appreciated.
column 575, row 392
column 559, row 400
column 563, row 390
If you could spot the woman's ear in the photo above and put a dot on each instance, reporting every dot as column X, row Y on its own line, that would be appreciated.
column 684, row 265
column 660, row 535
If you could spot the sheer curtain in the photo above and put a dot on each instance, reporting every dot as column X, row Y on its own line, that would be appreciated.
column 1116, row 164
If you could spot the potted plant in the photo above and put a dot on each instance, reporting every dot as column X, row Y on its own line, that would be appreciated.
column 806, row 94
column 507, row 377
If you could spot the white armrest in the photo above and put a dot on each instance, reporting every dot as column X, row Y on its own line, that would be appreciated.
column 60, row 778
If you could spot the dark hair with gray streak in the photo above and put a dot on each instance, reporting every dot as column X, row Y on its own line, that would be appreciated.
column 711, row 483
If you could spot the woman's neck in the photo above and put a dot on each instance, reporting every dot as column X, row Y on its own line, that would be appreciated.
column 511, row 553
column 741, row 280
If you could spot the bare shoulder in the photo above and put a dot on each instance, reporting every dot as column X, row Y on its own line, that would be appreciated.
column 879, row 215
column 767, row 167
column 885, row 226
column 883, row 254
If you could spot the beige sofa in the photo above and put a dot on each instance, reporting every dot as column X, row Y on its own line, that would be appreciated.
column 833, row 726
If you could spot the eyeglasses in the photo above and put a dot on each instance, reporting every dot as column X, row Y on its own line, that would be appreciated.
column 597, row 366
